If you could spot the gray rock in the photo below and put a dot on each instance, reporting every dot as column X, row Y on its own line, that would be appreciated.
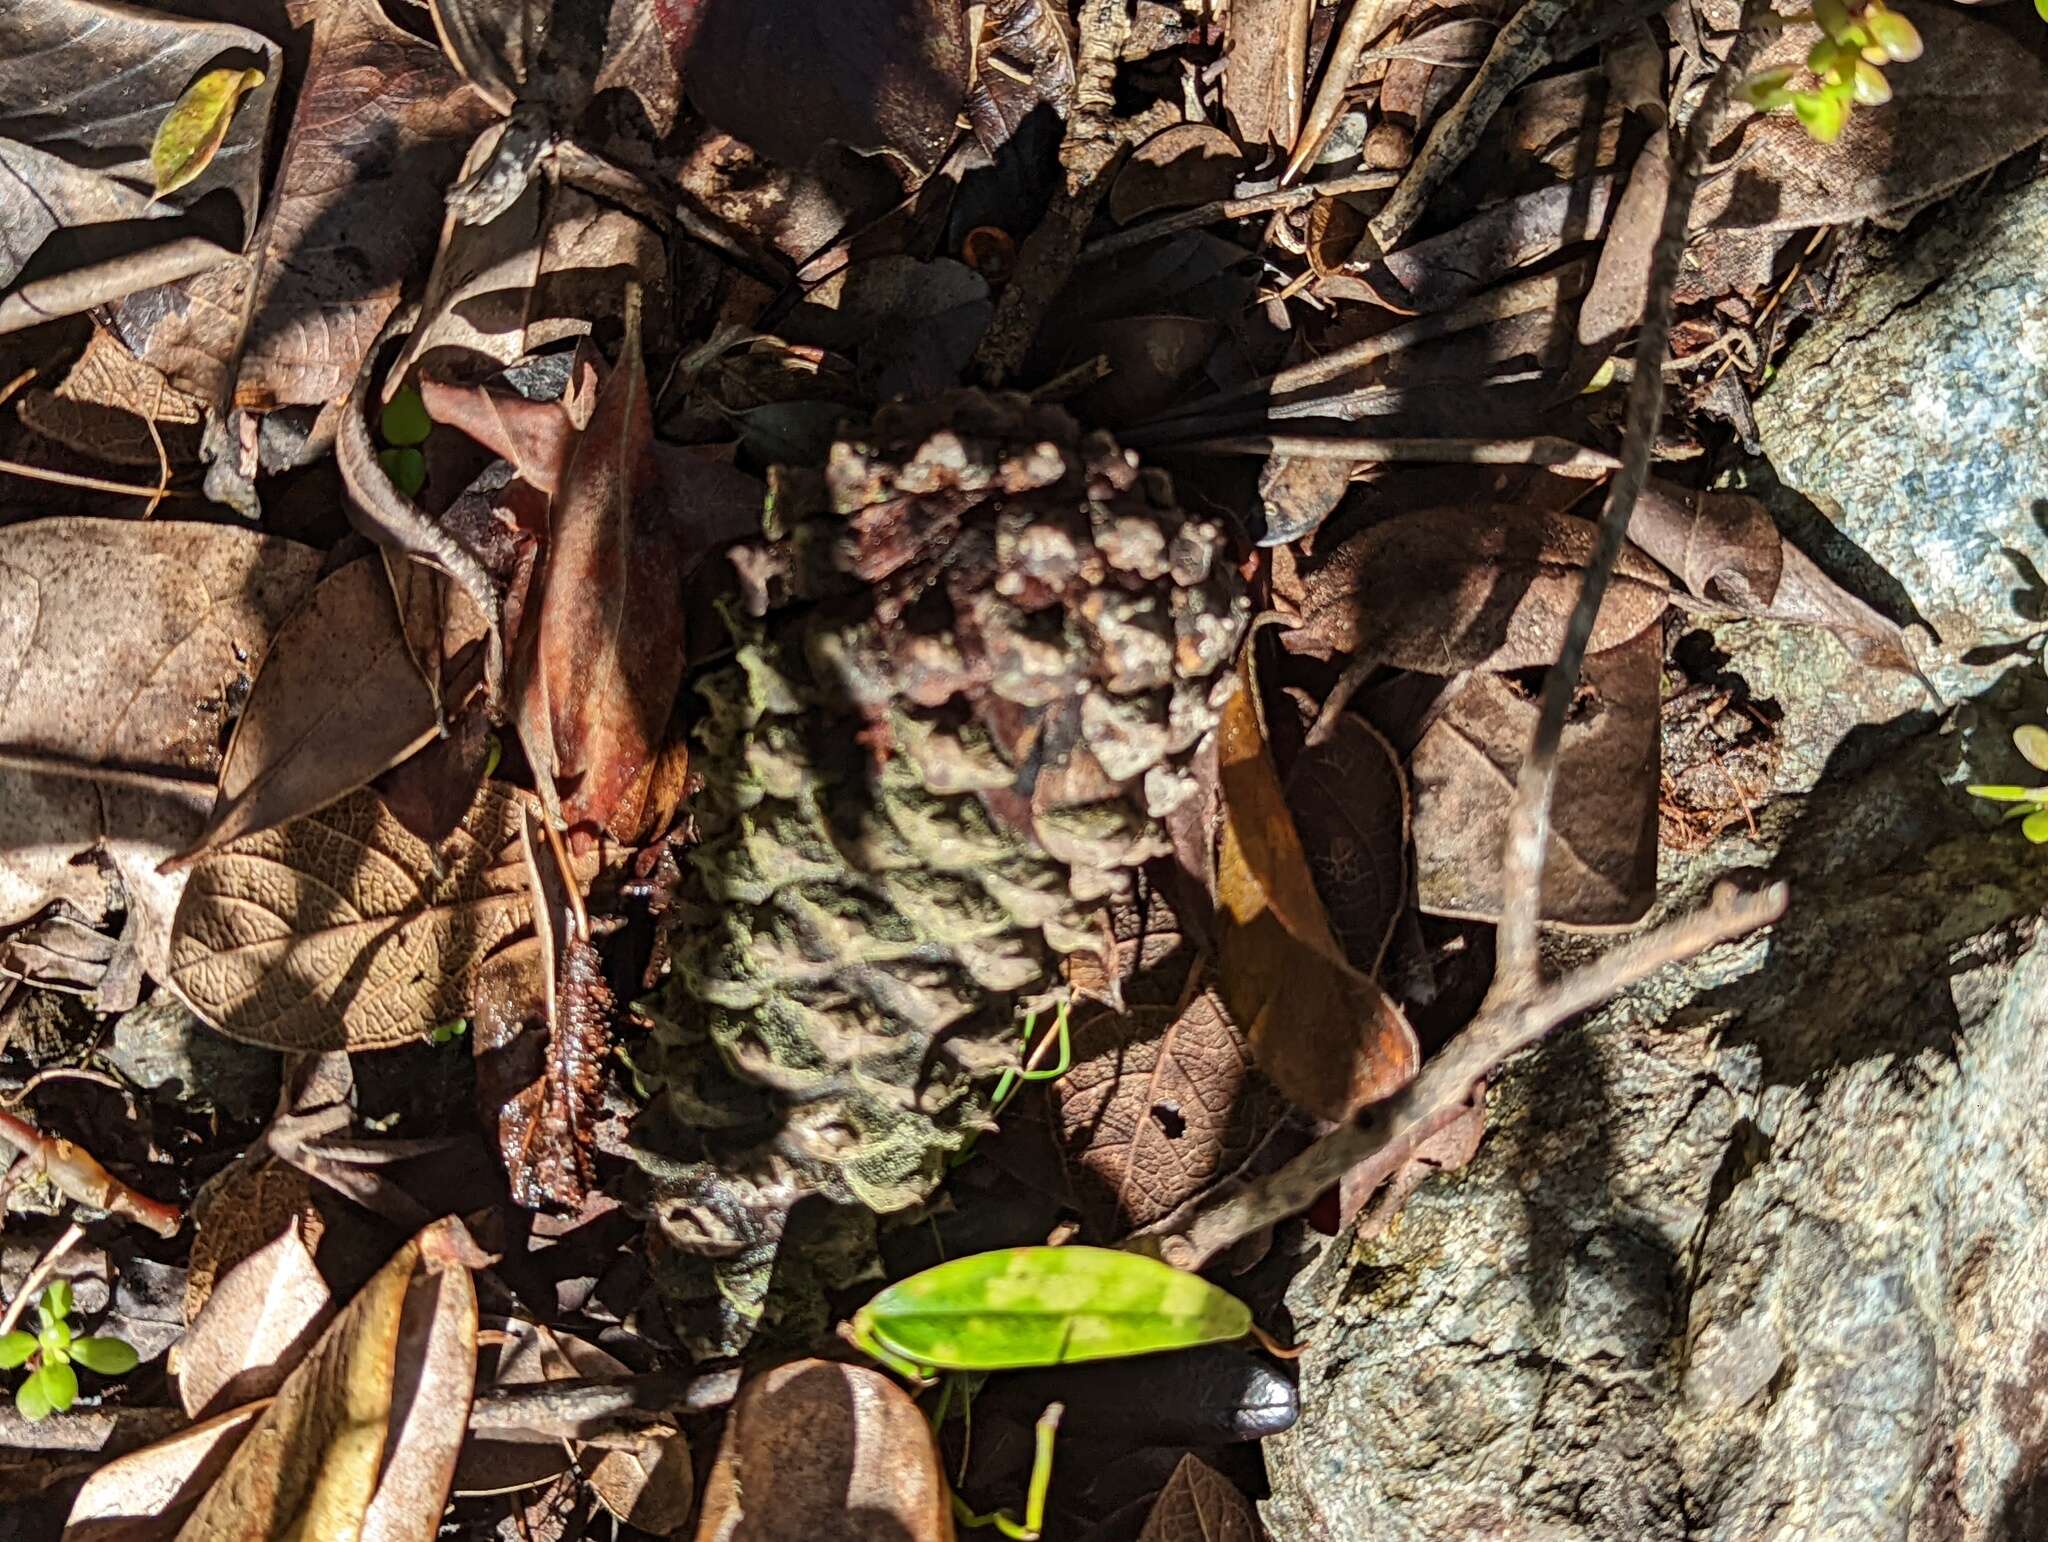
column 1760, row 1252
column 162, row 1042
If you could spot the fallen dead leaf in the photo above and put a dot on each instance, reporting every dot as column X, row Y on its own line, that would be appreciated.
column 122, row 646
column 148, row 1494
column 1159, row 1105
column 1266, row 58
column 394, row 1373
column 1974, row 98
column 1350, row 802
column 1601, row 871
column 193, row 130
column 1023, row 60
column 817, row 1449
column 260, row 1320
column 342, row 929
column 1177, row 168
column 1477, row 587
column 338, row 699
column 248, row 1205
column 1329, row 1038
column 1199, row 1504
column 105, row 405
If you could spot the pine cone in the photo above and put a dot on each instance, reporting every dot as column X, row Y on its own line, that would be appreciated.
column 979, row 659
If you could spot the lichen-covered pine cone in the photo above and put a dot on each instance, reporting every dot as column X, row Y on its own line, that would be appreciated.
column 980, row 656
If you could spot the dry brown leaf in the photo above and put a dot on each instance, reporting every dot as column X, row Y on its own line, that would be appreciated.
column 1614, row 302
column 1329, row 1037
column 147, row 1494
column 1024, row 60
column 338, row 700
column 1177, row 168
column 1199, row 1504
column 122, row 646
column 380, row 130
column 1601, row 871
column 1516, row 233
column 360, row 1441
column 248, row 1205
column 607, row 655
column 1479, row 587
column 258, row 1323
column 816, row 1449
column 1972, row 99
column 1726, row 547
column 1350, row 802
column 1265, row 53
column 1158, row 1106
column 105, row 405
column 343, row 930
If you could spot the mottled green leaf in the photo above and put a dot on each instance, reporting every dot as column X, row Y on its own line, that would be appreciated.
column 193, row 129
column 1020, row 1307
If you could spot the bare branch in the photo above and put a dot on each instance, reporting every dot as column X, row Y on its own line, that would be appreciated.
column 1391, row 1132
column 1516, row 969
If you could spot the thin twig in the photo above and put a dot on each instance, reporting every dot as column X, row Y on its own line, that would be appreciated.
column 1528, row 838
column 90, row 484
column 1363, row 25
column 76, row 1174
column 1559, row 455
column 1521, row 48
column 33, row 1282
column 1235, row 209
column 1391, row 1132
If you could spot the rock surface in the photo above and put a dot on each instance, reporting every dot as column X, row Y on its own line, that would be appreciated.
column 1761, row 1251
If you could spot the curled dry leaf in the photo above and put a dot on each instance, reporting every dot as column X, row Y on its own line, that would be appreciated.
column 250, row 1204
column 817, row 1449
column 1482, row 587
column 193, row 130
column 1350, row 802
column 1024, row 59
column 1158, row 1106
column 1726, row 547
column 258, row 1322
column 108, row 405
column 343, row 930
column 1177, row 168
column 122, row 646
column 1601, row 871
column 1199, row 1504
column 1972, row 99
column 1329, row 1038
column 607, row 653
column 361, row 1439
column 148, row 1494
column 339, row 699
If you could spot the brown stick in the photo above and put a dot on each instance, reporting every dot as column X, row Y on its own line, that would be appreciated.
column 1392, row 1131
column 1528, row 839
column 1235, row 209
column 1559, row 455
column 1365, row 22
column 78, row 1176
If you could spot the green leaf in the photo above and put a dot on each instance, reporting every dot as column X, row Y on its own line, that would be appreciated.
column 15, row 1348
column 2035, row 826
column 108, row 1356
column 1769, row 90
column 1898, row 37
column 2002, row 793
column 2031, row 739
column 55, row 1337
column 405, row 419
column 1021, row 1307
column 30, row 1400
column 193, row 129
column 1872, row 89
column 1823, row 114
column 59, row 1383
column 2042, row 7
column 406, row 467
column 57, row 1299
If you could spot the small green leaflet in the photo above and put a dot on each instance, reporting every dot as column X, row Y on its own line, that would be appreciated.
column 1016, row 1308
column 194, row 128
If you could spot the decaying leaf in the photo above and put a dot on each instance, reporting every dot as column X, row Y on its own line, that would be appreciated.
column 1614, row 302
column 1159, row 1105
column 1327, row 1036
column 258, row 1323
column 247, row 1206
column 1199, row 1504
column 607, row 656
column 380, row 129
column 1266, row 58
column 192, row 131
column 1023, row 60
column 361, row 1439
column 342, row 929
column 1177, row 168
column 123, row 646
column 106, row 405
column 148, row 1494
column 338, row 699
column 1726, row 547
column 1350, row 803
column 1974, row 97
column 1476, row 587
column 817, row 1449
column 1517, row 233
column 1601, row 871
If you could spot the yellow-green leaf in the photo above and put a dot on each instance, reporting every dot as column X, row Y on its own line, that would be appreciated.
column 2031, row 740
column 193, row 129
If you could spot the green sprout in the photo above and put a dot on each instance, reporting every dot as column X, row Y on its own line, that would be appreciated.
column 52, row 1385
column 1857, row 38
column 449, row 1032
column 404, row 427
column 2030, row 803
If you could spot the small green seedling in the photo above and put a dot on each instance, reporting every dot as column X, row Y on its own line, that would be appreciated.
column 449, row 1032
column 1021, row 1309
column 1857, row 38
column 52, row 1386
column 404, row 427
column 2031, row 803
column 1014, row 1077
